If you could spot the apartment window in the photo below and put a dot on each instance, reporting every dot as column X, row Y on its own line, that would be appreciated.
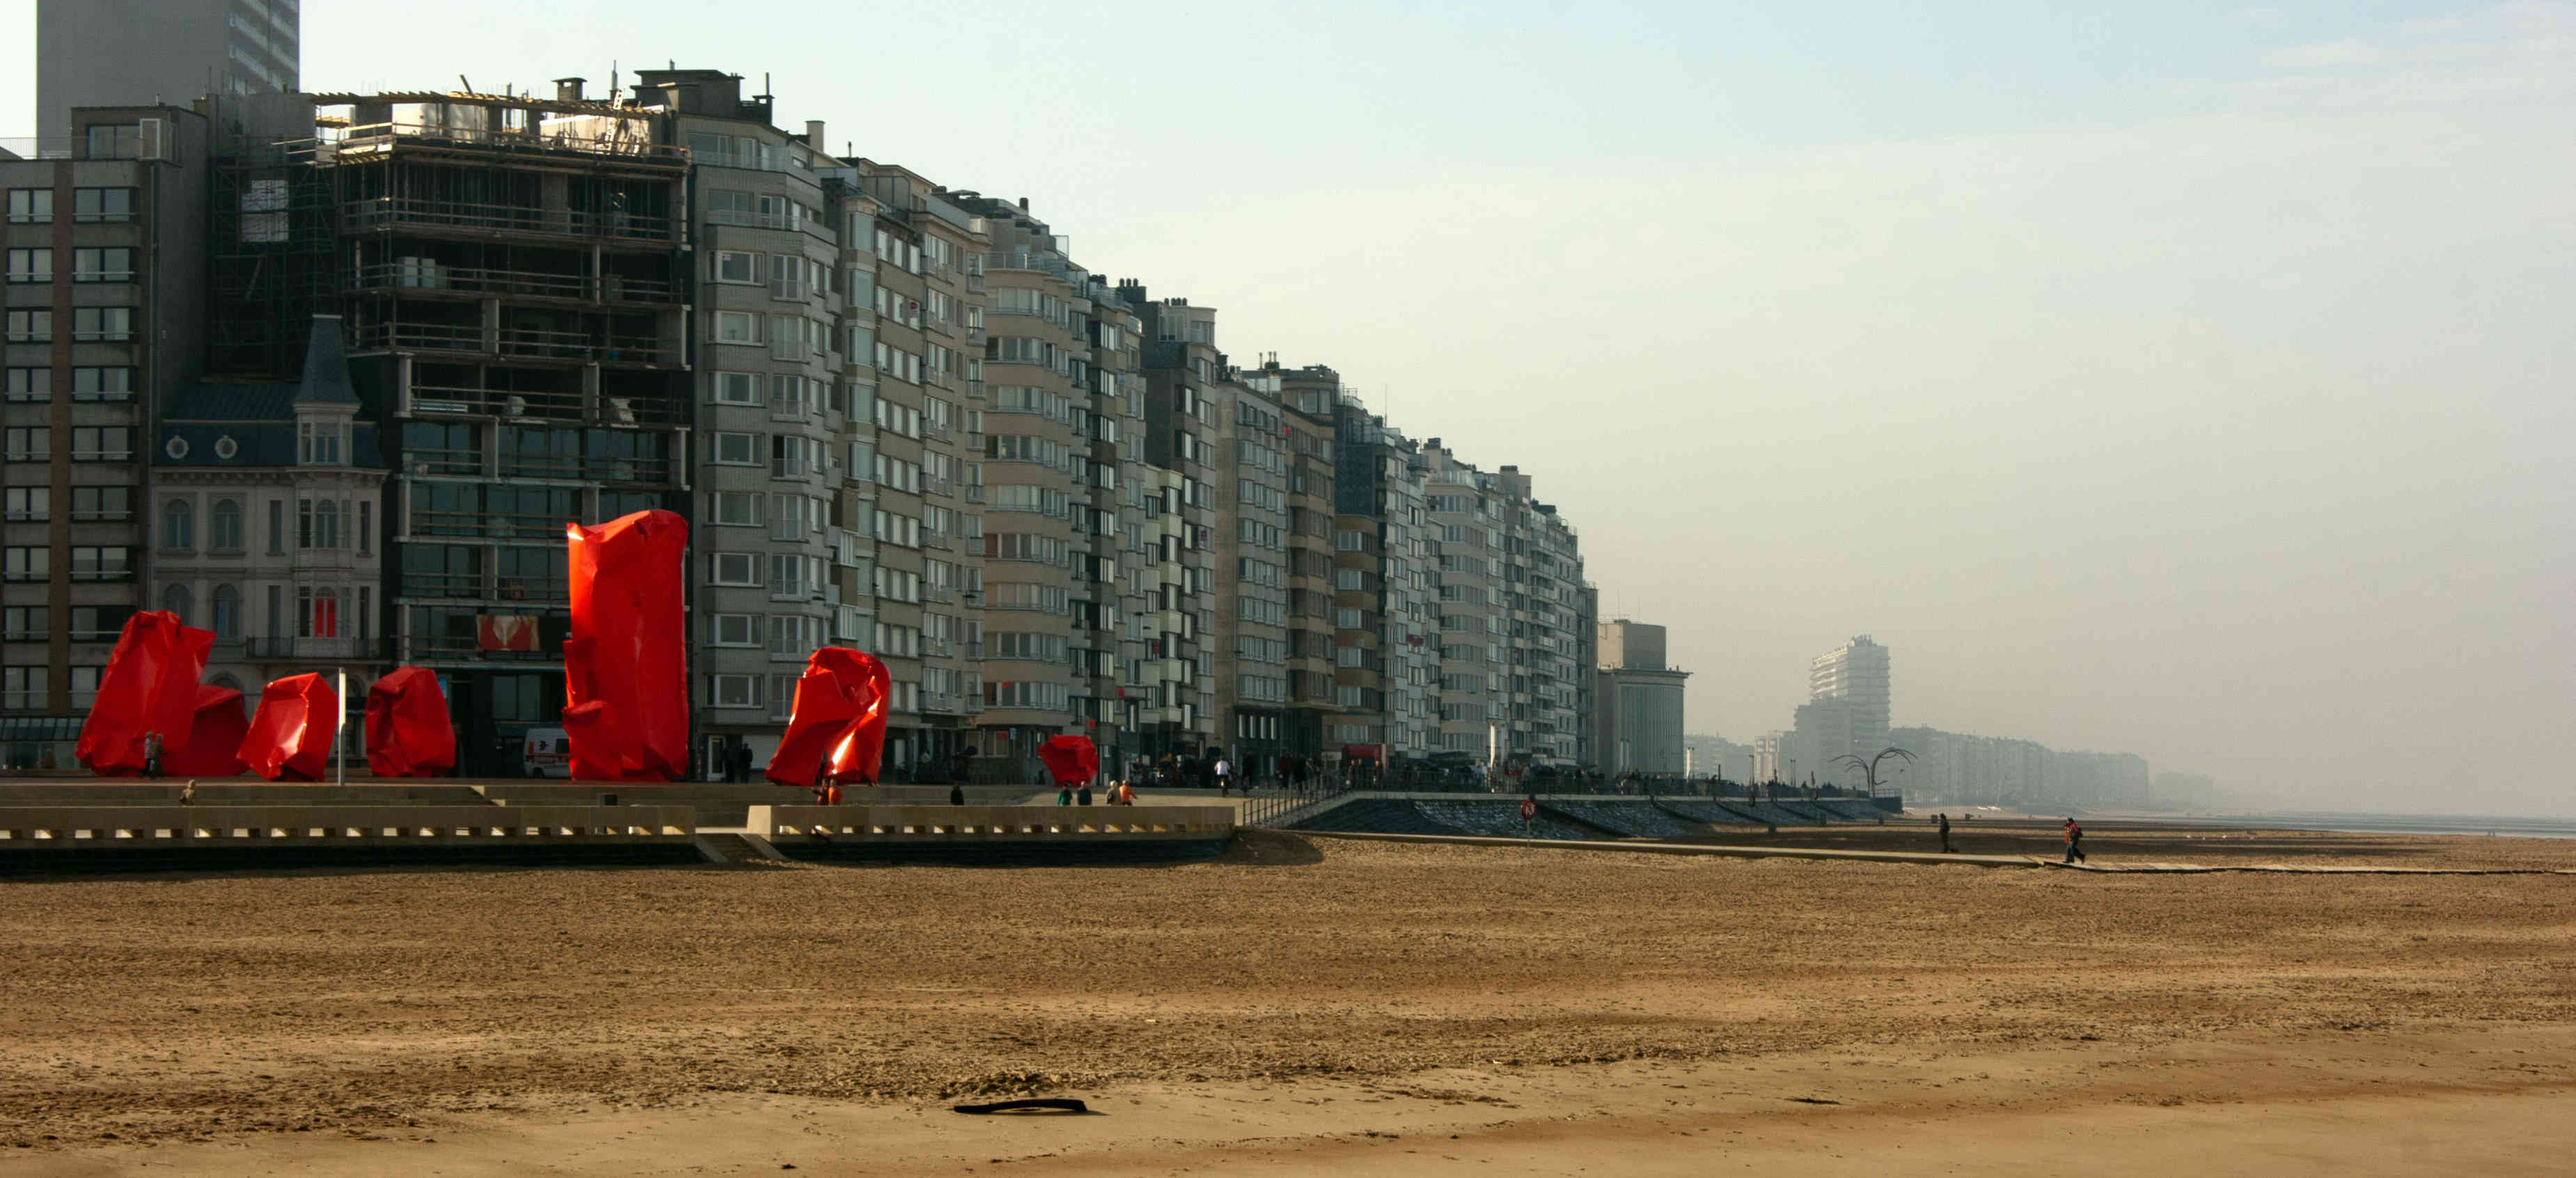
column 31, row 206
column 25, row 623
column 735, row 449
column 734, row 691
column 737, row 327
column 112, row 383
column 739, row 509
column 733, row 568
column 100, row 204
column 318, row 443
column 317, row 523
column 227, row 611
column 23, row 688
column 225, row 532
column 276, row 526
column 102, row 563
column 1350, row 541
column 30, row 443
column 27, row 564
column 103, row 323
column 734, row 629
column 178, row 526
column 366, row 513
column 733, row 266
column 31, row 265
column 103, row 265
column 317, row 612
column 786, row 575
column 31, row 384
column 102, row 443
column 102, row 503
column 737, row 388
column 31, row 327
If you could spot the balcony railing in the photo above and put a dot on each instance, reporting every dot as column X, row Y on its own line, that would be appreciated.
column 428, row 275
column 625, row 139
column 451, row 648
column 356, row 650
column 403, row 212
column 522, row 342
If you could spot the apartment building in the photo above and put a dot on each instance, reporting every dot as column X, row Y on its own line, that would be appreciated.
column 1383, row 603
column 1107, row 634
column 1856, row 672
column 105, row 52
column 514, row 274
column 1514, row 617
column 1250, row 643
column 266, row 504
column 1320, row 705
column 103, row 301
column 1637, row 718
column 1173, row 690
column 766, row 462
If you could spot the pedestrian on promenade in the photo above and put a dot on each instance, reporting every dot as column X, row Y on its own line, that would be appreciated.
column 1064, row 795
column 152, row 755
column 1945, row 832
column 188, row 793
column 1083, row 798
column 2074, row 842
column 1224, row 775
column 956, row 795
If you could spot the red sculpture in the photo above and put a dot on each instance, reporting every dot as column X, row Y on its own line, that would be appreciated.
column 626, row 663
column 214, row 741
column 150, row 685
column 290, row 739
column 409, row 733
column 839, row 722
column 1070, row 760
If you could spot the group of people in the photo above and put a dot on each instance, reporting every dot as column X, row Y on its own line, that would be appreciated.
column 1121, row 793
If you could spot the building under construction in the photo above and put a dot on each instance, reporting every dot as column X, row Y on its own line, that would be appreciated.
column 512, row 272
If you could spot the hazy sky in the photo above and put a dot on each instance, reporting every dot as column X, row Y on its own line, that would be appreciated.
column 2192, row 380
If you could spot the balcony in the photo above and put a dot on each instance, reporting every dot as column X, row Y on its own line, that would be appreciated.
column 319, row 650
column 425, row 275
column 539, row 406
column 627, row 140
column 388, row 213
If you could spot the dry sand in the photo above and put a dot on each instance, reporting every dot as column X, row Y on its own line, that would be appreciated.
column 1299, row 1005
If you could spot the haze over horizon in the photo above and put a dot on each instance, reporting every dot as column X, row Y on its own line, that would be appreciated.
column 2190, row 381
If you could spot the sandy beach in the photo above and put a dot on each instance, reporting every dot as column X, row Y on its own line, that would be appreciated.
column 1302, row 1004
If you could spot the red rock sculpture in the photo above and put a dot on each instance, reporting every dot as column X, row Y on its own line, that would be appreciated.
column 409, row 733
column 1070, row 760
column 150, row 685
column 290, row 739
column 839, row 721
column 626, row 663
column 214, row 741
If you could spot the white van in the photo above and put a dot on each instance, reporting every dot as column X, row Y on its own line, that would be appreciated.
column 547, row 752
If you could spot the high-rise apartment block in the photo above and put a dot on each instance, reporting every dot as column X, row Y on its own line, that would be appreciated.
column 120, row 52
column 1637, row 713
column 104, row 244
column 1512, row 617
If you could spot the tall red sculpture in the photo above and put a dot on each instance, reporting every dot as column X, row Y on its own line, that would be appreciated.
column 290, row 739
column 214, row 741
column 409, row 733
column 1070, row 760
column 839, row 721
column 626, row 664
column 150, row 685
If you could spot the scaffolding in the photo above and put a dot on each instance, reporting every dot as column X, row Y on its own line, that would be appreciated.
column 273, row 238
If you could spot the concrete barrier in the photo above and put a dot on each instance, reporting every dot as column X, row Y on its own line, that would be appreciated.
column 88, row 838
column 994, row 833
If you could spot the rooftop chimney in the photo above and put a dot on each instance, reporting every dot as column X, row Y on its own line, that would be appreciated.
column 814, row 134
column 1024, row 204
column 569, row 89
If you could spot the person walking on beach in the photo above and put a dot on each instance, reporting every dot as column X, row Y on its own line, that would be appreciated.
column 1945, row 832
column 2074, row 842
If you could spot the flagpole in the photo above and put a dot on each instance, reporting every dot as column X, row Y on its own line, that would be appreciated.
column 339, row 721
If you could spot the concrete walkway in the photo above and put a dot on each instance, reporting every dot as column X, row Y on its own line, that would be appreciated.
column 1928, row 858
